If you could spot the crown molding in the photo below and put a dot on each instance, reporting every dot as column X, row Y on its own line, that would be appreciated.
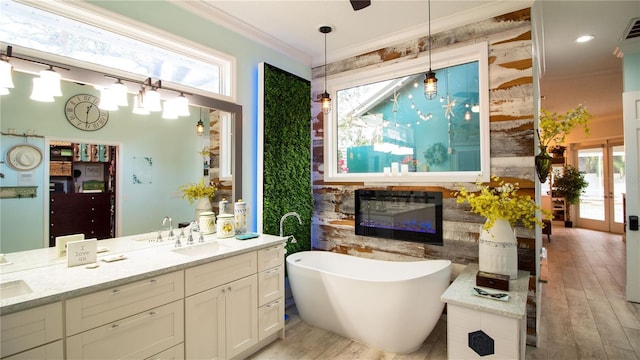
column 249, row 31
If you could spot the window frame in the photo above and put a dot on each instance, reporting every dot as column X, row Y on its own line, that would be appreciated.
column 99, row 17
column 440, row 60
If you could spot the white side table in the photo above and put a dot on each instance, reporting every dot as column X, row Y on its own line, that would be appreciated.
column 481, row 328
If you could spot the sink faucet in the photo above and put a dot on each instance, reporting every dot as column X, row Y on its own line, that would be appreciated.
column 293, row 213
column 170, row 236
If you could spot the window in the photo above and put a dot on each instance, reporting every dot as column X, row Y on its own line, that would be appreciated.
column 383, row 129
column 114, row 45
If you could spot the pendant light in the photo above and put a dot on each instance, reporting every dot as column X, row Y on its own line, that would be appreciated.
column 430, row 80
column 200, row 125
column 40, row 91
column 325, row 98
column 51, row 81
column 120, row 93
column 6, row 81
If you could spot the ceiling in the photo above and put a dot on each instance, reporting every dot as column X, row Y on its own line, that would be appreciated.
column 569, row 68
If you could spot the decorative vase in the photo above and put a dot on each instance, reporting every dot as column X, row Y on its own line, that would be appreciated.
column 498, row 250
column 203, row 204
column 543, row 164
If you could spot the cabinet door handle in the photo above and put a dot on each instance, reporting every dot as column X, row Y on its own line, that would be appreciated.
column 272, row 248
column 272, row 271
column 148, row 283
column 273, row 305
column 116, row 326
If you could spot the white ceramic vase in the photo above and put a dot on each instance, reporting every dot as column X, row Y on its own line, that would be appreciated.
column 498, row 250
column 203, row 204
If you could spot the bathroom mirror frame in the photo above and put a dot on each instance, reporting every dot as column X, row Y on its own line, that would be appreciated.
column 477, row 52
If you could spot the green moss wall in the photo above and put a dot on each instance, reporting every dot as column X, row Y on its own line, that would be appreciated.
column 287, row 155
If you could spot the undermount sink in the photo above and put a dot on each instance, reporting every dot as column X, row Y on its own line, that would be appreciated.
column 14, row 288
column 201, row 249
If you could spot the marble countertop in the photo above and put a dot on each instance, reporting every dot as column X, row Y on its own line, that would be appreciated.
column 460, row 293
column 51, row 280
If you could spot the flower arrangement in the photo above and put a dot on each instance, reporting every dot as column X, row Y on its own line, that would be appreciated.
column 555, row 127
column 193, row 192
column 501, row 202
column 409, row 160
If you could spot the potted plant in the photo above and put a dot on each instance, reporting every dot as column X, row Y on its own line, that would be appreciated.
column 200, row 191
column 503, row 207
column 569, row 184
column 554, row 127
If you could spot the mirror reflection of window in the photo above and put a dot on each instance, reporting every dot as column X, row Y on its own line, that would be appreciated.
column 389, row 126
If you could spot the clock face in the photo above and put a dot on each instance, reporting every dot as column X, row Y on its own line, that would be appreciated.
column 82, row 112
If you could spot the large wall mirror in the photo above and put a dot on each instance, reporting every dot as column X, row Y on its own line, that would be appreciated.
column 383, row 129
column 140, row 206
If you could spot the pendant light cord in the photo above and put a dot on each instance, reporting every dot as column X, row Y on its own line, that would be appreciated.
column 429, row 18
column 325, row 62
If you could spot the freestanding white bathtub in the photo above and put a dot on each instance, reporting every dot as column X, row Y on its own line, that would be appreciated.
column 388, row 305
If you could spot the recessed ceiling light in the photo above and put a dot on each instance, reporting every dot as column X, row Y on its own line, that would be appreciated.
column 585, row 38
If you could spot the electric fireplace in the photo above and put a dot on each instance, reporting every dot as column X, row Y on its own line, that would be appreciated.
column 401, row 215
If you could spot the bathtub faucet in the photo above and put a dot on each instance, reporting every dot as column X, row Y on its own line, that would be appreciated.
column 293, row 213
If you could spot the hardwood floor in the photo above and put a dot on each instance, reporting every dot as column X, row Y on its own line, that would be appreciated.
column 584, row 313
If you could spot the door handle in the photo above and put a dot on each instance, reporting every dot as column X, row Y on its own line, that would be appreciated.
column 633, row 222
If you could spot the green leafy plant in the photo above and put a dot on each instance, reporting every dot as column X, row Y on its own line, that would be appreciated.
column 569, row 184
column 554, row 127
column 195, row 191
column 501, row 202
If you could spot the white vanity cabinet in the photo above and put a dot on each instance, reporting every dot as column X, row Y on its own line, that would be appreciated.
column 32, row 333
column 270, row 291
column 136, row 320
column 221, row 307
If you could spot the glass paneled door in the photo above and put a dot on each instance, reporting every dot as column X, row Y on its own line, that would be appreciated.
column 600, row 205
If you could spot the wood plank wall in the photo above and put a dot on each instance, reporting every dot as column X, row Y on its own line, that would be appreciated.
column 512, row 150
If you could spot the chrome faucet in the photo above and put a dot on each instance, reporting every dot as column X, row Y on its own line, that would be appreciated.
column 192, row 227
column 170, row 236
column 164, row 223
column 293, row 213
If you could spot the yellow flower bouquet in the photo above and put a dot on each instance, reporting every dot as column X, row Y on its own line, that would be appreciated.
column 193, row 192
column 501, row 202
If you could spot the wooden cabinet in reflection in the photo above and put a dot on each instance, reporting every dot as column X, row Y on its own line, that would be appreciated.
column 81, row 213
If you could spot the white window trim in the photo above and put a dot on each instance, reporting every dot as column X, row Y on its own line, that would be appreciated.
column 102, row 18
column 476, row 52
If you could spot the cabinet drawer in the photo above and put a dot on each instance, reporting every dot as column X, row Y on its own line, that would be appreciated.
column 175, row 353
column 270, row 285
column 216, row 273
column 270, row 257
column 270, row 318
column 92, row 310
column 30, row 328
column 51, row 351
column 136, row 337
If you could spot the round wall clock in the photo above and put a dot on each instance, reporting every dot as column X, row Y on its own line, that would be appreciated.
column 82, row 112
